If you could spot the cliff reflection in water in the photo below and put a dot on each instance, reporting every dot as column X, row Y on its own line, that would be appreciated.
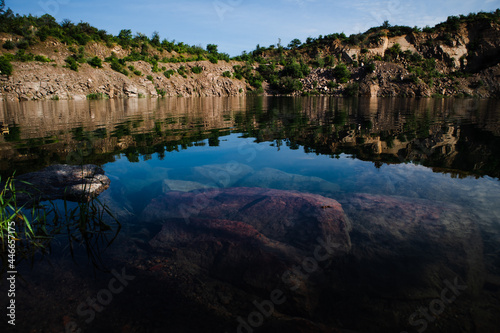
column 460, row 137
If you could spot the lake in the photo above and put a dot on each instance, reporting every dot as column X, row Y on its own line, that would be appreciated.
column 265, row 214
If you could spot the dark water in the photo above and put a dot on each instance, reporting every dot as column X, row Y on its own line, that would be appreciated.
column 418, row 181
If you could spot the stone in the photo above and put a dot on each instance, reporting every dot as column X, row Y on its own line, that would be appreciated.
column 70, row 182
column 249, row 238
column 406, row 247
column 277, row 179
column 130, row 90
column 221, row 175
column 294, row 218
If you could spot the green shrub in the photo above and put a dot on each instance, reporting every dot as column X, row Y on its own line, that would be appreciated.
column 332, row 84
column 150, row 78
column 5, row 66
column 341, row 73
column 95, row 62
column 21, row 55
column 9, row 45
column 351, row 90
column 370, row 68
column 295, row 70
column 169, row 73
column 42, row 58
column 116, row 66
column 213, row 59
column 96, row 96
column 23, row 44
column 196, row 70
column 132, row 68
column 137, row 72
column 288, row 85
column 182, row 71
column 71, row 63
column 161, row 92
column 226, row 74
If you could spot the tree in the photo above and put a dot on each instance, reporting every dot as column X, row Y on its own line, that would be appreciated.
column 5, row 66
column 2, row 6
column 294, row 43
column 212, row 48
column 155, row 39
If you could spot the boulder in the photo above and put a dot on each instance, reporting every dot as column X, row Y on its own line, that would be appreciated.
column 289, row 217
column 406, row 248
column 251, row 238
column 221, row 175
column 71, row 182
column 277, row 179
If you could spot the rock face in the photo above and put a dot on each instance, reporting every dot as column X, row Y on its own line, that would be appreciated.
column 39, row 81
column 70, row 182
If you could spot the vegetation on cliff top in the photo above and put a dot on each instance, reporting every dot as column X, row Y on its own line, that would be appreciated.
column 280, row 68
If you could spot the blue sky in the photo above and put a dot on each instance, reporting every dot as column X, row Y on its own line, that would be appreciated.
column 237, row 25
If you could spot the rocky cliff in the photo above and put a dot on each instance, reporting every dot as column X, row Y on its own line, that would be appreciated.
column 35, row 80
column 459, row 57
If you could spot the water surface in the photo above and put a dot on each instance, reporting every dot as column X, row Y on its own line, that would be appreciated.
column 418, row 180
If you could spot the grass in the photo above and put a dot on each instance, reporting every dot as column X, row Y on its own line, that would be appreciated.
column 25, row 231
column 96, row 96
column 18, row 224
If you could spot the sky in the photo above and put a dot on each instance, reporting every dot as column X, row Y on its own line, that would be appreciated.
column 238, row 25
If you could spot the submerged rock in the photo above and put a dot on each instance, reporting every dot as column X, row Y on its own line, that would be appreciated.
column 277, row 179
column 290, row 217
column 251, row 237
column 70, row 182
column 407, row 247
column 221, row 175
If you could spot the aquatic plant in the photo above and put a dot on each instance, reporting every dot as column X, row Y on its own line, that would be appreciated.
column 28, row 227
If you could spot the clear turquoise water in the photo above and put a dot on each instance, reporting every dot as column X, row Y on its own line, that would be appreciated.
column 447, row 155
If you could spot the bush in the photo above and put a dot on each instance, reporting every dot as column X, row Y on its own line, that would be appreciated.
column 95, row 62
column 169, row 73
column 332, row 84
column 9, row 45
column 351, row 90
column 196, row 70
column 22, row 56
column 71, row 63
column 161, row 92
column 137, row 72
column 341, row 73
column 41, row 58
column 295, row 70
column 226, row 74
column 150, row 78
column 5, row 66
column 182, row 71
column 213, row 59
column 370, row 68
column 96, row 96
column 23, row 44
column 288, row 85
